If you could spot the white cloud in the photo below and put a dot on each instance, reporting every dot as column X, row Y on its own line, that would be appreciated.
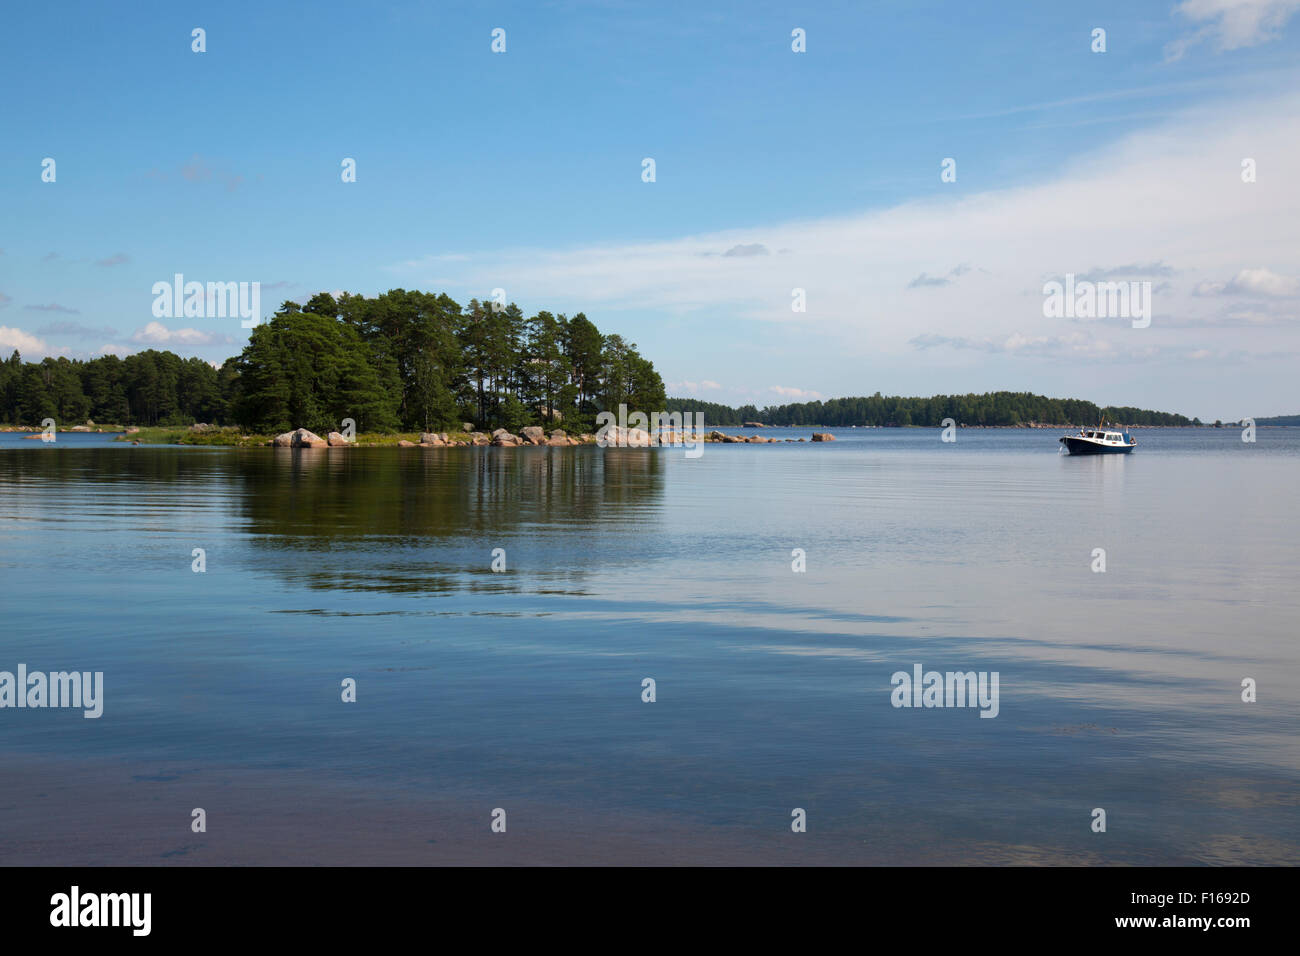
column 800, row 394
column 111, row 349
column 693, row 388
column 11, row 339
column 155, row 333
column 1257, row 282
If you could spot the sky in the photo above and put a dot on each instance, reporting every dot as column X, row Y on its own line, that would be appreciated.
column 774, row 171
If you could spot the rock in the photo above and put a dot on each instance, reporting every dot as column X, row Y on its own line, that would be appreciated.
column 299, row 438
column 823, row 436
column 131, row 430
column 505, row 439
column 480, row 439
column 558, row 433
column 752, row 425
column 497, row 432
column 617, row 436
column 467, row 427
column 552, row 415
column 90, row 422
column 435, row 443
column 533, row 434
column 403, row 443
column 428, row 438
column 335, row 440
column 79, row 428
column 200, row 427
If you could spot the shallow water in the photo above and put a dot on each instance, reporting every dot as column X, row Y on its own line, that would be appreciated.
column 522, row 689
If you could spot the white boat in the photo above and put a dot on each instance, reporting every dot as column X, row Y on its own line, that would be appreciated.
column 1099, row 441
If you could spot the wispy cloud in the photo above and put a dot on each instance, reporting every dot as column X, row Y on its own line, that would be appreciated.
column 73, row 330
column 116, row 259
column 925, row 279
column 1149, row 270
column 52, row 307
column 750, row 249
column 1231, row 24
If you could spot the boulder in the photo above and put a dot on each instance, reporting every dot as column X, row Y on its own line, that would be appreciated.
column 823, row 436
column 436, row 442
column 533, row 434
column 335, row 440
column 79, row 428
column 467, row 427
column 200, row 427
column 299, row 438
column 403, row 443
column 478, row 438
column 497, row 432
column 558, row 433
column 428, row 438
column 506, row 440
column 619, row 437
column 131, row 430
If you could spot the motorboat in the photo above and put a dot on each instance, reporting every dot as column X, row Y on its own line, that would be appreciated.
column 1099, row 441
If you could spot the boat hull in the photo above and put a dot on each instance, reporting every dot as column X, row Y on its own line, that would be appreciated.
column 1084, row 446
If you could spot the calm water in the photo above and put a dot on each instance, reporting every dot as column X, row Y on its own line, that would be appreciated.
column 522, row 689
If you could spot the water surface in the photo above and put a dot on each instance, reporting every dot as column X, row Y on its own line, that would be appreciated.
column 522, row 689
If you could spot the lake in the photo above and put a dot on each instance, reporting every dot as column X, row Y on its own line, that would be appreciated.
column 522, row 689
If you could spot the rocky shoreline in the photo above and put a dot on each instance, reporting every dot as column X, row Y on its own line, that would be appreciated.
column 614, row 437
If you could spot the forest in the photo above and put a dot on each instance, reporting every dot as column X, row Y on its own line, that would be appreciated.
column 991, row 408
column 399, row 361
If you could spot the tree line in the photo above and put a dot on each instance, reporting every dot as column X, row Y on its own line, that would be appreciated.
column 402, row 360
column 991, row 408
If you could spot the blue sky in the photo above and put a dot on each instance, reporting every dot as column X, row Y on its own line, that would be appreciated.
column 522, row 170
